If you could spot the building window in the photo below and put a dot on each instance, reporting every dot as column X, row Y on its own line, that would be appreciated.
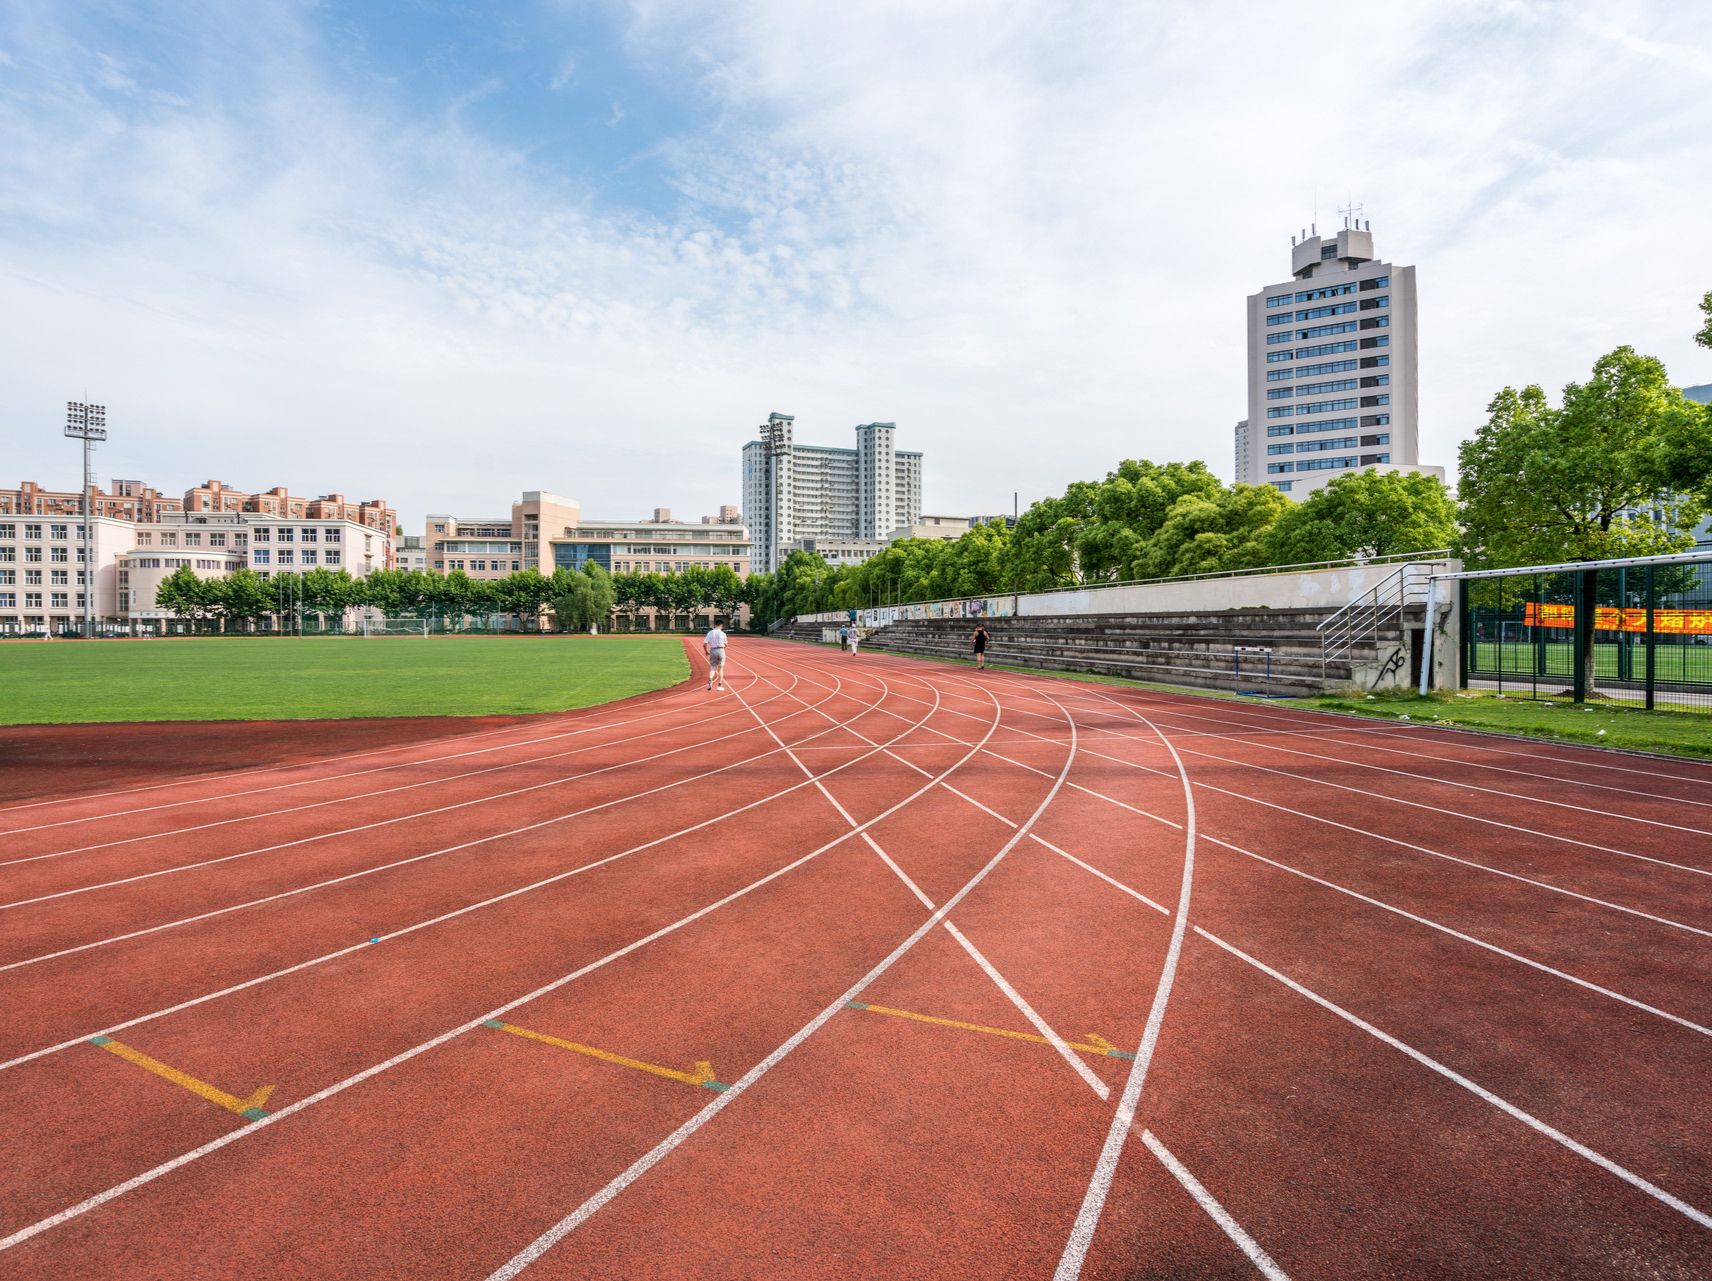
column 1280, row 449
column 1280, row 375
column 1332, row 309
column 1368, row 402
column 331, row 558
column 1376, row 420
column 57, row 531
column 1326, row 348
column 261, row 534
column 1284, row 411
column 32, row 531
column 1326, row 406
column 1278, row 469
column 1321, row 446
column 308, row 556
column 1372, row 304
column 1375, row 362
column 1381, row 341
column 1272, row 340
column 1283, row 319
column 1281, row 394
column 284, row 535
column 308, row 534
column 1325, row 464
column 1274, row 357
column 1383, row 438
column 261, row 556
column 332, row 536
column 1378, row 282
column 1337, row 384
column 1376, row 322
column 1279, row 300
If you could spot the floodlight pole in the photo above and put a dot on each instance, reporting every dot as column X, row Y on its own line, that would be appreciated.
column 87, row 423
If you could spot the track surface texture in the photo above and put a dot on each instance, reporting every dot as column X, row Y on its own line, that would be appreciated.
column 867, row 967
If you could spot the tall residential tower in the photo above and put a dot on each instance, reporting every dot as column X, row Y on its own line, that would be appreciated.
column 1332, row 368
column 794, row 493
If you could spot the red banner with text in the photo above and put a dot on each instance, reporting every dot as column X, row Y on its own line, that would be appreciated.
column 1609, row 618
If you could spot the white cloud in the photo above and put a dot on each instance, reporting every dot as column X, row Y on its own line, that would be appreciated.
column 1022, row 231
column 564, row 75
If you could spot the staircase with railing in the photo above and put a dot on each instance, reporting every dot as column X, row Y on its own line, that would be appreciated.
column 1366, row 617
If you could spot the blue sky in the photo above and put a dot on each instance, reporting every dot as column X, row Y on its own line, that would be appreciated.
column 442, row 252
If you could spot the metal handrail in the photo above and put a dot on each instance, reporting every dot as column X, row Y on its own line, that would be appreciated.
column 1363, row 617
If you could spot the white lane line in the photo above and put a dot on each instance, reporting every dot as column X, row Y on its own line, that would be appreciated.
column 1348, row 828
column 349, row 876
column 239, row 775
column 384, row 791
column 1409, row 845
column 1004, row 985
column 1469, row 938
column 405, row 818
column 411, row 929
column 183, row 1159
column 1475, row 787
column 1431, row 924
column 1216, row 1212
column 1480, row 1092
column 565, row 1226
column 1099, row 1185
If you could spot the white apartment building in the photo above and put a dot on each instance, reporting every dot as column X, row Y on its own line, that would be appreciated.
column 1332, row 368
column 216, row 543
column 794, row 492
column 43, row 577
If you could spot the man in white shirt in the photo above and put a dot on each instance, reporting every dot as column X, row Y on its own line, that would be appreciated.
column 713, row 645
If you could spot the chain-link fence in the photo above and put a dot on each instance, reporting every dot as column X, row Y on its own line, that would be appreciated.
column 1635, row 634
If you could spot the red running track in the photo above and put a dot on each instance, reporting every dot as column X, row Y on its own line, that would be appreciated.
column 867, row 967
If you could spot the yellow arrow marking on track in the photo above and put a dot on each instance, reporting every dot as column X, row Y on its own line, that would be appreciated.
column 702, row 1076
column 1091, row 1043
column 249, row 1108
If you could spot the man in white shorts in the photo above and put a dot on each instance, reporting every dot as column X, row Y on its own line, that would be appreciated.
column 713, row 645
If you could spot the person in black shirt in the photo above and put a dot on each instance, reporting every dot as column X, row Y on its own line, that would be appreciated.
column 981, row 638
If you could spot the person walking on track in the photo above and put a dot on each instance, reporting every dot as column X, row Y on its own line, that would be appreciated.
column 713, row 645
column 981, row 638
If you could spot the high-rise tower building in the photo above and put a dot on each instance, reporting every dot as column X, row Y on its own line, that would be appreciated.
column 793, row 492
column 1332, row 368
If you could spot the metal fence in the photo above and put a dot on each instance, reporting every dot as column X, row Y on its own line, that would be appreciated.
column 1630, row 633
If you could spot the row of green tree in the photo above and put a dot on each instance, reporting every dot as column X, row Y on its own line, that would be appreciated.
column 575, row 599
column 1144, row 520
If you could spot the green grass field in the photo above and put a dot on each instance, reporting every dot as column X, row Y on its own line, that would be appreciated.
column 233, row 679
column 1671, row 662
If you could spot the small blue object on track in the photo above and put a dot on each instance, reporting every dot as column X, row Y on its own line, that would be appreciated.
column 374, row 940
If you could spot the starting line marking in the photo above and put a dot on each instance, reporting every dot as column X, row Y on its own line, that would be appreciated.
column 1091, row 1042
column 702, row 1076
column 249, row 1108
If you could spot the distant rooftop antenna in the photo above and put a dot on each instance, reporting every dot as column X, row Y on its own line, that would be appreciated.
column 1349, row 211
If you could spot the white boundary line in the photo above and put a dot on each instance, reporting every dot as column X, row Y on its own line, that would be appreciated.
column 1216, row 1212
column 1105, row 1168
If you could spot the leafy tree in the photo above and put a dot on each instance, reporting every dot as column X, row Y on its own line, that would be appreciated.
column 1606, row 474
column 248, row 596
column 1704, row 337
column 1211, row 532
column 1365, row 514
column 189, row 596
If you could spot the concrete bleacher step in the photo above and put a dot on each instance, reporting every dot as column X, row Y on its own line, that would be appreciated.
column 1195, row 649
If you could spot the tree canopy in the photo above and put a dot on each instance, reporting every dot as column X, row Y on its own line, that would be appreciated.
column 1365, row 514
column 1608, row 473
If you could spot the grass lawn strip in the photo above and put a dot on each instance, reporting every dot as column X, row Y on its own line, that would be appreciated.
column 312, row 678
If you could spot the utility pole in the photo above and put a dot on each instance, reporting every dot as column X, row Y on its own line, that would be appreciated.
column 87, row 423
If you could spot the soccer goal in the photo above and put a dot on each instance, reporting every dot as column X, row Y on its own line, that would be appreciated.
column 395, row 626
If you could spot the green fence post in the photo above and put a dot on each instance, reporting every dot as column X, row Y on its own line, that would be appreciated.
column 1647, row 636
column 1578, row 646
column 1467, row 637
